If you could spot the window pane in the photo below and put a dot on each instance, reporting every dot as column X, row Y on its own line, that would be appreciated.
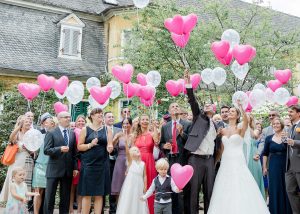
column 75, row 42
column 66, row 45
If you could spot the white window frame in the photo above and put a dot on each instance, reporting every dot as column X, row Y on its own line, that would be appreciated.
column 72, row 27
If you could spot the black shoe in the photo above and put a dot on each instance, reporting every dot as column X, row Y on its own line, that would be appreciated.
column 200, row 208
column 75, row 206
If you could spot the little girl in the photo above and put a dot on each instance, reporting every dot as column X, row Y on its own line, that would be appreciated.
column 134, row 186
column 18, row 192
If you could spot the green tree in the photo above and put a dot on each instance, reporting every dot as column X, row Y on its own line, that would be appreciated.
column 151, row 47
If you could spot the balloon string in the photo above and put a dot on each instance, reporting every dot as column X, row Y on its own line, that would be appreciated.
column 28, row 105
column 138, row 19
column 127, row 100
column 41, row 109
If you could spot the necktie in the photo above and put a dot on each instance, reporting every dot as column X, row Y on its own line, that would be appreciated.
column 293, row 130
column 174, row 142
column 65, row 137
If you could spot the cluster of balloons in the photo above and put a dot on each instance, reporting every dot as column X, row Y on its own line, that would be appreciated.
column 175, row 87
column 180, row 28
column 229, row 48
column 144, row 89
column 217, row 75
column 260, row 95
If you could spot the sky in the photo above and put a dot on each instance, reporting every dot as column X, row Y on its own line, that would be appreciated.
column 287, row 6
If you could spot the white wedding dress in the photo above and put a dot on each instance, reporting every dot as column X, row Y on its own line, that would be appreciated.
column 235, row 190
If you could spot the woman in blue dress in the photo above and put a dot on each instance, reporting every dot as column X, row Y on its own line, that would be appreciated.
column 275, row 151
column 95, row 143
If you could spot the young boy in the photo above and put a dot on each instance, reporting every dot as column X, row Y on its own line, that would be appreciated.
column 163, row 185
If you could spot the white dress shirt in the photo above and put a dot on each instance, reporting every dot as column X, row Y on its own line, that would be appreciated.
column 161, row 181
column 208, row 144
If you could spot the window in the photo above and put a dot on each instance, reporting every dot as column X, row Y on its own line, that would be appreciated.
column 126, row 37
column 70, row 37
column 78, row 109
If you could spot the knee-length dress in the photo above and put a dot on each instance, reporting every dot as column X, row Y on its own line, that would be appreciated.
column 94, row 174
column 39, row 179
column 22, row 160
column 145, row 144
column 278, row 199
column 120, row 169
column 14, row 206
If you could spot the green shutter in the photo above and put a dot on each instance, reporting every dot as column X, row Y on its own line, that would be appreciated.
column 78, row 109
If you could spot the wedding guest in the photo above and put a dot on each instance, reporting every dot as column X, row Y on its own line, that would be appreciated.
column 134, row 185
column 163, row 185
column 183, row 114
column 124, row 113
column 190, row 116
column 274, row 153
column 250, row 150
column 60, row 146
column 287, row 123
column 201, row 145
column 39, row 180
column 95, row 144
column 79, row 124
column 23, row 158
column 145, row 141
column 72, row 125
column 217, row 118
column 120, row 141
column 224, row 115
column 292, row 175
column 173, row 138
column 18, row 194
column 109, row 121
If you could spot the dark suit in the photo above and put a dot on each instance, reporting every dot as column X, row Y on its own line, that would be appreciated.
column 204, row 169
column 59, row 170
column 292, row 175
column 181, row 157
column 118, row 125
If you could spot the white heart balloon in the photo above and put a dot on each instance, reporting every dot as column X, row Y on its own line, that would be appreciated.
column 241, row 97
column 219, row 76
column 153, row 78
column 115, row 89
column 75, row 92
column 59, row 96
column 281, row 96
column 232, row 36
column 259, row 86
column 270, row 95
column 95, row 104
column 240, row 71
column 207, row 76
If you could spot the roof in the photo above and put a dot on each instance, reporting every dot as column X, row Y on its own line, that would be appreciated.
column 29, row 41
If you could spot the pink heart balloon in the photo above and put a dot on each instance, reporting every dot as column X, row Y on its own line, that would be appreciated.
column 147, row 92
column 249, row 108
column 29, row 90
column 195, row 80
column 129, row 89
column 141, row 78
column 292, row 101
column 283, row 75
column 45, row 82
column 243, row 53
column 61, row 84
column 123, row 73
column 220, row 49
column 59, row 107
column 274, row 84
column 147, row 103
column 100, row 94
column 190, row 22
column 180, row 40
column 181, row 175
column 175, row 24
column 174, row 87
column 227, row 59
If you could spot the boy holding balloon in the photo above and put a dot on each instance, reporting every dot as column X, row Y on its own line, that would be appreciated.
column 163, row 185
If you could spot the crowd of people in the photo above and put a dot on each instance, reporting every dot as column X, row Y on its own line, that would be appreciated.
column 238, row 166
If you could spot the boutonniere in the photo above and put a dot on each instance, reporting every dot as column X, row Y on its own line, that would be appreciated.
column 298, row 129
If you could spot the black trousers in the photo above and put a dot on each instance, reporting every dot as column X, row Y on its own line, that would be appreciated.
column 204, row 174
column 112, row 198
column 64, row 194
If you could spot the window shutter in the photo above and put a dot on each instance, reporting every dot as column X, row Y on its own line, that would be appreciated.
column 66, row 43
column 75, row 42
column 79, row 108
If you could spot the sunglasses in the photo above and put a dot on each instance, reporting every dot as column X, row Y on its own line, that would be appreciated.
column 126, row 112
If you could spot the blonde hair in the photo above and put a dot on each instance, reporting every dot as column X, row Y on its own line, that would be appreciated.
column 162, row 164
column 132, row 150
column 138, row 130
column 16, row 170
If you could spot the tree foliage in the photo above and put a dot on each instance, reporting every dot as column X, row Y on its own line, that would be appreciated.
column 151, row 47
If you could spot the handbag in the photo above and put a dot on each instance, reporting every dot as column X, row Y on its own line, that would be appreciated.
column 9, row 155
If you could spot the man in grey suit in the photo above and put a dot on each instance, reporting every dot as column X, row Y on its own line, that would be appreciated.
column 201, row 145
column 174, row 135
column 292, row 175
column 60, row 145
column 109, row 120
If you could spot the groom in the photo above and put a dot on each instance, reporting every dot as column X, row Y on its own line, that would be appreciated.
column 201, row 145
column 292, row 175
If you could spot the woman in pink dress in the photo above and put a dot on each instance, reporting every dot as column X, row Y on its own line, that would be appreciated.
column 79, row 124
column 145, row 141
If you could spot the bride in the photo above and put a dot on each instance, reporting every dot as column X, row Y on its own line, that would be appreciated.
column 235, row 190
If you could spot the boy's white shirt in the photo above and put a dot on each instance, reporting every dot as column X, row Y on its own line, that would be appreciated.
column 161, row 181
